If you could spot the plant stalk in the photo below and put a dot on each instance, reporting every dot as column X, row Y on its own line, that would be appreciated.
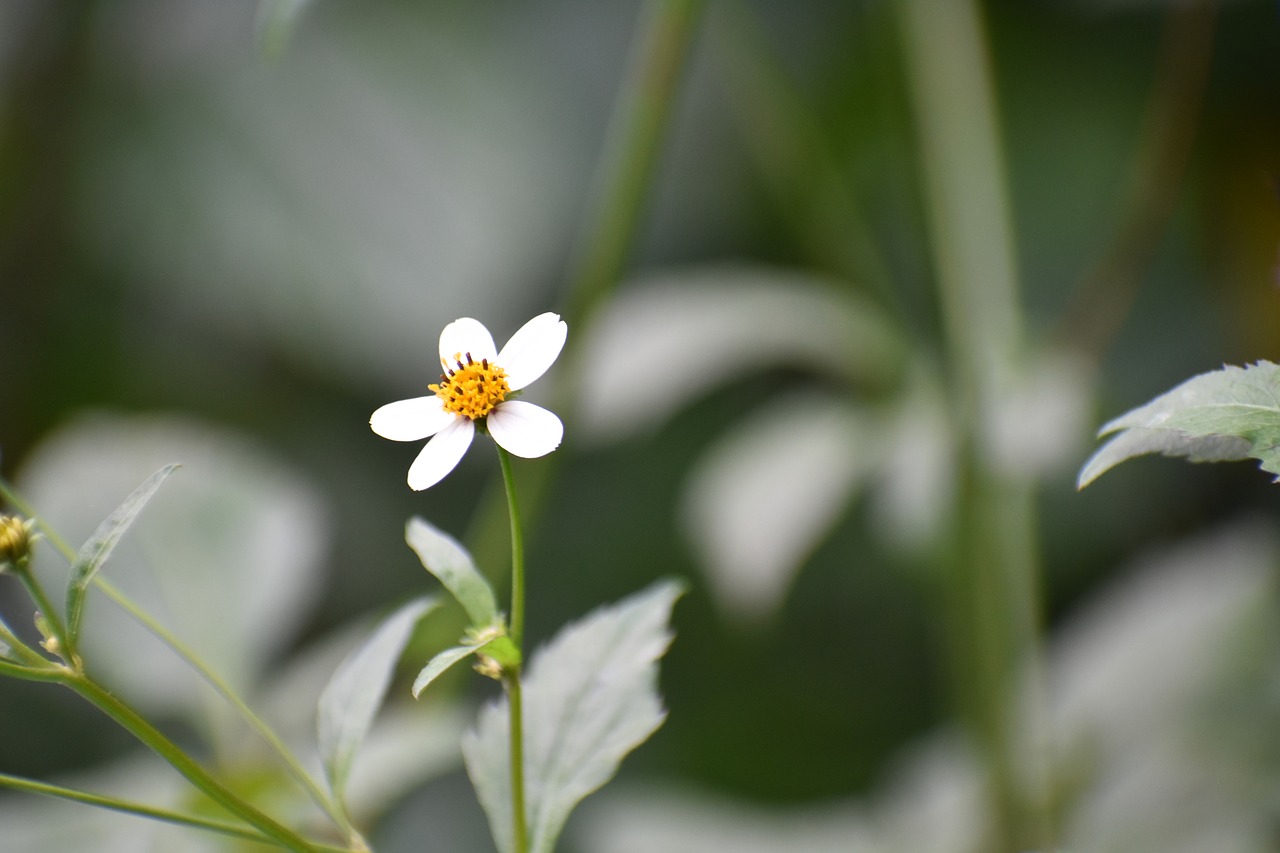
column 992, row 588
column 188, row 655
column 635, row 137
column 153, row 739
column 519, row 820
column 32, row 786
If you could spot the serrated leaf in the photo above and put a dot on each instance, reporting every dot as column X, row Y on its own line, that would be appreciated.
column 443, row 557
column 590, row 697
column 352, row 697
column 95, row 551
column 438, row 665
column 1224, row 415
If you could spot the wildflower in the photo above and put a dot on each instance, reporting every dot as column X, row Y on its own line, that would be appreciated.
column 15, row 541
column 477, row 387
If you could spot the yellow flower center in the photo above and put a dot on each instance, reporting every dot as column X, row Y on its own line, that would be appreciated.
column 471, row 388
column 15, row 540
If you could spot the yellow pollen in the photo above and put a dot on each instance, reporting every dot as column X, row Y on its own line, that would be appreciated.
column 471, row 388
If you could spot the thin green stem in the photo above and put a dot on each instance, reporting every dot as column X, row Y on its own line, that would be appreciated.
column 151, row 737
column 519, row 828
column 17, row 501
column 636, row 132
column 188, row 655
column 223, row 689
column 517, row 551
column 1106, row 293
column 519, row 821
column 29, row 657
column 607, row 235
column 45, row 672
column 31, row 786
column 993, row 584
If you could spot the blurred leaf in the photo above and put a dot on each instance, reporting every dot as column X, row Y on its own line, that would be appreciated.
column 352, row 698
column 438, row 665
column 1225, row 415
column 1039, row 425
column 763, row 498
column 916, row 477
column 590, row 697
column 239, row 534
column 690, row 821
column 95, row 552
column 277, row 20
column 450, row 563
column 269, row 202
column 664, row 342
column 1164, row 700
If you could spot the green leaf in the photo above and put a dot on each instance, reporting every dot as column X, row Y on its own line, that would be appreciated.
column 99, row 546
column 1225, row 415
column 590, row 697
column 353, row 695
column 452, row 565
column 438, row 665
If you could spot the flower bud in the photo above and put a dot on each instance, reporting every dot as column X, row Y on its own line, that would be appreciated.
column 15, row 542
column 49, row 639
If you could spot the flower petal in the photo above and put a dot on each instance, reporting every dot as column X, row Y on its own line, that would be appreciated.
column 532, row 349
column 441, row 454
column 411, row 420
column 524, row 429
column 463, row 336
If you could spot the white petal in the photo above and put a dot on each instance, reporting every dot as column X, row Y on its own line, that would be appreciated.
column 524, row 429
column 463, row 336
column 441, row 454
column 411, row 420
column 532, row 349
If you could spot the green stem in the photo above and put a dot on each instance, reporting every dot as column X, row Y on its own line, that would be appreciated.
column 150, row 736
column 519, row 828
column 188, row 655
column 517, row 551
column 621, row 189
column 635, row 136
column 993, row 585
column 45, row 671
column 223, row 689
column 31, row 786
column 519, row 821
column 29, row 657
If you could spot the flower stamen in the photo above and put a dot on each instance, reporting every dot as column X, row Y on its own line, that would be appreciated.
column 474, row 389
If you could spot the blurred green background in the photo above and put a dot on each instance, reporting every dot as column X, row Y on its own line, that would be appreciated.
column 269, row 241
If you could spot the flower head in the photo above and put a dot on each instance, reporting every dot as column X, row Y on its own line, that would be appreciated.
column 476, row 386
column 15, row 541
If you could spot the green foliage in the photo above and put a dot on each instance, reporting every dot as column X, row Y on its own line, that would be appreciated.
column 94, row 553
column 443, row 557
column 438, row 665
column 1225, row 415
column 590, row 697
column 352, row 697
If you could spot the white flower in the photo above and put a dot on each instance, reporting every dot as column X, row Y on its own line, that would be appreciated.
column 474, row 387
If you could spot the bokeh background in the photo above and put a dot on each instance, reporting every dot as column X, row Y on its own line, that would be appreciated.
column 232, row 230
